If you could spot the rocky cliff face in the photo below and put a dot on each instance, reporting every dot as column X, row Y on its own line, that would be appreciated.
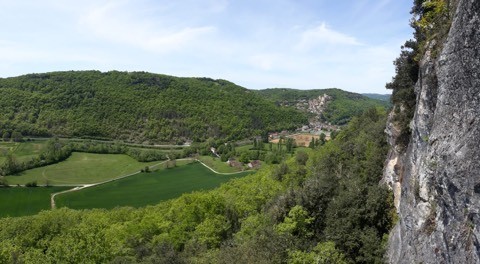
column 437, row 179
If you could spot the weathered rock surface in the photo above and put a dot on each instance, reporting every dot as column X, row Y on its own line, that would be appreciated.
column 437, row 179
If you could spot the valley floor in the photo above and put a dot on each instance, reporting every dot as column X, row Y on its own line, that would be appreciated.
column 135, row 189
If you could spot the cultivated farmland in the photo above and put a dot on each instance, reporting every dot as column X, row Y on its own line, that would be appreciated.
column 146, row 188
column 19, row 201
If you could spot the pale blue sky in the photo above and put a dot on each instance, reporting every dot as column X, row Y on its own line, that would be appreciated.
column 258, row 44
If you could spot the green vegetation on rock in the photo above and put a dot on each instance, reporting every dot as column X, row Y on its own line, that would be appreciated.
column 431, row 21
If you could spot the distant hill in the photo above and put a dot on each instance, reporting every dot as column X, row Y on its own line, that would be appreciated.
column 340, row 108
column 382, row 97
column 136, row 106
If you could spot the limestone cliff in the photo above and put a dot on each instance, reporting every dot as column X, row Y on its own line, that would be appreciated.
column 436, row 180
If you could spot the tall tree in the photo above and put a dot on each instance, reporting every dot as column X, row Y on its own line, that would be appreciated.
column 322, row 138
column 10, row 165
column 5, row 136
column 17, row 136
column 312, row 143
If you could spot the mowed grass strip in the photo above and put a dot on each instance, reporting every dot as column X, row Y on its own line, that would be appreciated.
column 146, row 188
column 30, row 148
column 81, row 168
column 20, row 201
column 21, row 151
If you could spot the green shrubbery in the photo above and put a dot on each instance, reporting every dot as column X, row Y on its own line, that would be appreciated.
column 327, row 206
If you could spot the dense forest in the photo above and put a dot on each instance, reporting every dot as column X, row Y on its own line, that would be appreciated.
column 136, row 106
column 318, row 206
column 342, row 107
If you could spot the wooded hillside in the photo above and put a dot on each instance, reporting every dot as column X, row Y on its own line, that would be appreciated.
column 136, row 106
column 342, row 107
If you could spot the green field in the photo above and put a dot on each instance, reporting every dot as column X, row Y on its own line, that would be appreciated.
column 217, row 164
column 81, row 168
column 22, row 151
column 145, row 188
column 19, row 201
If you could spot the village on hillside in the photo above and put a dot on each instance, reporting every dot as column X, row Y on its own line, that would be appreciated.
column 315, row 128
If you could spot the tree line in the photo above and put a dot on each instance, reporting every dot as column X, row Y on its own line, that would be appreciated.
column 59, row 150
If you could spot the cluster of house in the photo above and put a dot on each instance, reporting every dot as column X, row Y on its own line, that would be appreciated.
column 315, row 128
column 254, row 164
column 232, row 162
column 277, row 135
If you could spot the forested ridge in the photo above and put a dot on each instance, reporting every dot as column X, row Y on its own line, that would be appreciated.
column 341, row 108
column 320, row 206
column 136, row 106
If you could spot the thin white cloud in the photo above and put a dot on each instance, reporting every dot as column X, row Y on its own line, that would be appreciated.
column 113, row 22
column 380, row 6
column 10, row 51
column 265, row 62
column 321, row 35
column 175, row 40
column 215, row 6
column 15, row 54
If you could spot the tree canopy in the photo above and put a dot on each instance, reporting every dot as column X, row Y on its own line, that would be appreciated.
column 323, row 205
column 136, row 106
column 342, row 107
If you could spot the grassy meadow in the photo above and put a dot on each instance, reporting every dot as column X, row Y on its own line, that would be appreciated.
column 146, row 188
column 21, row 151
column 218, row 165
column 20, row 201
column 81, row 168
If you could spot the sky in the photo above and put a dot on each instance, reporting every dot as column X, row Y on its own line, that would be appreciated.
column 257, row 44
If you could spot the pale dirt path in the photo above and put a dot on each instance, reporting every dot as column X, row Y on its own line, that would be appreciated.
column 77, row 188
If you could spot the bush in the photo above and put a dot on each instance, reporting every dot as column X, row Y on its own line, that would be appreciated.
column 31, row 184
column 301, row 157
column 3, row 182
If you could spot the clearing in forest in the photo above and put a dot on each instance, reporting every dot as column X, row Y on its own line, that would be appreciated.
column 81, row 168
